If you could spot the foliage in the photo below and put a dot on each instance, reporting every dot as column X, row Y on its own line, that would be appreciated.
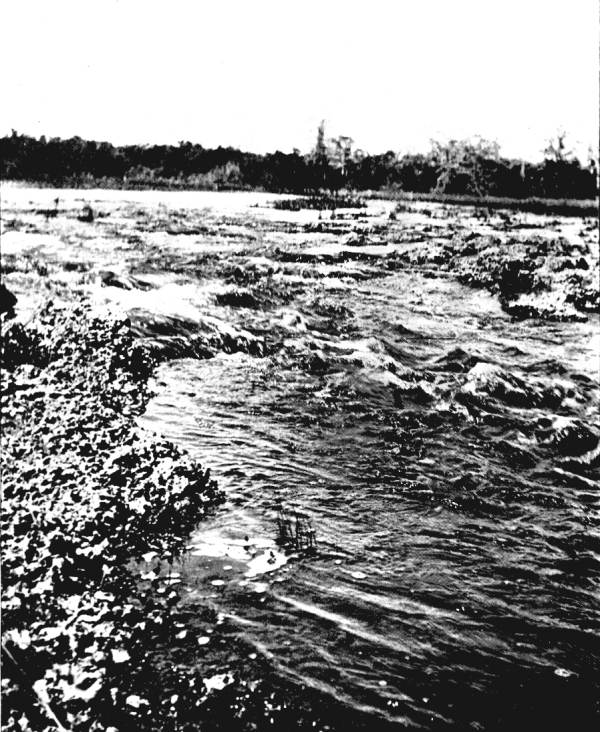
column 460, row 167
column 541, row 206
column 461, row 164
column 318, row 202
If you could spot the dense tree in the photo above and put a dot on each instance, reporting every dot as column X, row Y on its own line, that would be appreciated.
column 458, row 166
column 464, row 166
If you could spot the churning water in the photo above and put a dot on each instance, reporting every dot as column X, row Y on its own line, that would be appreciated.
column 445, row 455
column 456, row 578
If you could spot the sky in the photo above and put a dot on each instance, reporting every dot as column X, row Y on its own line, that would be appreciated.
column 260, row 74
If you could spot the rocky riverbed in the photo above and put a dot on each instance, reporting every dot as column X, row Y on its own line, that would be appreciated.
column 420, row 381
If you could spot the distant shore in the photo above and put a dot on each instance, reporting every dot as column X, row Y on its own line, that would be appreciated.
column 582, row 208
column 541, row 206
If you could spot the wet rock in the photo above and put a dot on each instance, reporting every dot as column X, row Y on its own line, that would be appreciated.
column 172, row 336
column 516, row 455
column 317, row 363
column 547, row 366
column 429, row 253
column 238, row 298
column 517, row 276
column 551, row 397
column 49, row 213
column 457, row 360
column 109, row 278
column 534, row 277
column 568, row 436
column 419, row 392
column 293, row 320
column 559, row 264
column 545, row 307
column 252, row 271
column 87, row 214
column 500, row 273
column 361, row 239
column 329, row 308
column 74, row 266
column 582, row 290
column 491, row 380
column 7, row 301
column 85, row 495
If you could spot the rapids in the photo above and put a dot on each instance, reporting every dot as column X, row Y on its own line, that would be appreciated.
column 446, row 455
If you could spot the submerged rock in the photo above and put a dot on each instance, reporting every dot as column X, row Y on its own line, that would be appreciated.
column 124, row 281
column 585, row 463
column 488, row 379
column 361, row 239
column 174, row 336
column 515, row 454
column 456, row 360
column 419, row 392
column 534, row 277
column 546, row 306
column 294, row 321
column 238, row 298
column 87, row 214
column 568, row 436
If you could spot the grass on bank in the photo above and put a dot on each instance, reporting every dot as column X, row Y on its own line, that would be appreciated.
column 350, row 198
column 540, row 206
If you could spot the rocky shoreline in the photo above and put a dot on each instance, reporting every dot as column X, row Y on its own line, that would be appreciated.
column 550, row 278
column 96, row 520
column 88, row 498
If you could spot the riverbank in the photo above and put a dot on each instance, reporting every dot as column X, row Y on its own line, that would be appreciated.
column 96, row 518
column 94, row 512
column 541, row 206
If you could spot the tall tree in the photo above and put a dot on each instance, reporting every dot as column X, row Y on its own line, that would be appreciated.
column 461, row 165
column 556, row 149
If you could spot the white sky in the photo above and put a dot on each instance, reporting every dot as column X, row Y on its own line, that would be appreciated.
column 260, row 74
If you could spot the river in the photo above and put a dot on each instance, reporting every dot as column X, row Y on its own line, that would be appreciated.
column 455, row 579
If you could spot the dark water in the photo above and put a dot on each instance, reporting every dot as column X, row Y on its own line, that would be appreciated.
column 456, row 582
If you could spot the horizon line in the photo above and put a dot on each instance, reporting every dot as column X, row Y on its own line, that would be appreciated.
column 398, row 152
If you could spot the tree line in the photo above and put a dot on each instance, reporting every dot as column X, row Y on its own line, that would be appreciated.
column 469, row 167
